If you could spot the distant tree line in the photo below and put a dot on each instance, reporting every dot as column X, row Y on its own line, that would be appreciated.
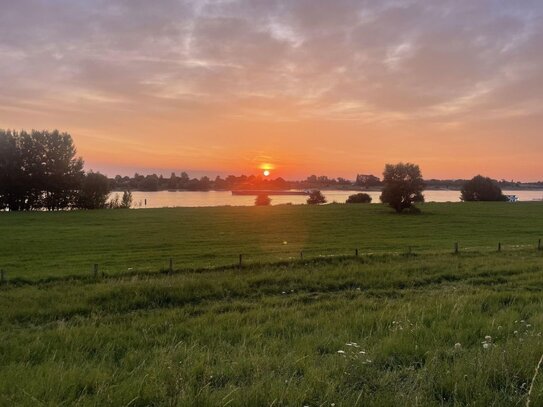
column 183, row 182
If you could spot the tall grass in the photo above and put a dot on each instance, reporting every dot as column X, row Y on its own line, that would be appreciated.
column 381, row 330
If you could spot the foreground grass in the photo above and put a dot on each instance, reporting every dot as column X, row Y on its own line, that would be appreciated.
column 41, row 245
column 377, row 330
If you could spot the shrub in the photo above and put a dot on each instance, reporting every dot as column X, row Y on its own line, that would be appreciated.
column 126, row 201
column 316, row 198
column 359, row 198
column 93, row 192
column 481, row 188
column 262, row 200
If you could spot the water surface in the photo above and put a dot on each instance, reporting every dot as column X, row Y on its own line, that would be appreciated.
column 164, row 199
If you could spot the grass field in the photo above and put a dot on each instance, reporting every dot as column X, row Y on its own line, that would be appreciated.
column 42, row 245
column 383, row 329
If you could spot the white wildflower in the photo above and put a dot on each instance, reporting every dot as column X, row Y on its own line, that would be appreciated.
column 486, row 345
column 457, row 345
column 341, row 352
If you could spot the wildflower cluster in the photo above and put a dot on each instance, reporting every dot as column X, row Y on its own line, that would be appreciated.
column 402, row 325
column 354, row 352
column 487, row 343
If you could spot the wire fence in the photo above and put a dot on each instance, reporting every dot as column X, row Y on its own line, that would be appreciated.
column 246, row 259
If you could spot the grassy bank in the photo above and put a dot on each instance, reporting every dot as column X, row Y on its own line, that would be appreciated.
column 41, row 245
column 381, row 330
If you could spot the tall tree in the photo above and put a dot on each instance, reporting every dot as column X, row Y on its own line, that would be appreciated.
column 403, row 186
column 39, row 170
column 12, row 187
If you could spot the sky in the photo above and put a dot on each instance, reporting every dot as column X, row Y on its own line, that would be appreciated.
column 300, row 86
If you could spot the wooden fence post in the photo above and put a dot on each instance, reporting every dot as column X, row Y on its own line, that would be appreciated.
column 1, row 276
column 409, row 250
column 356, row 252
column 456, row 248
column 240, row 260
column 171, row 266
column 539, row 245
column 499, row 247
column 96, row 271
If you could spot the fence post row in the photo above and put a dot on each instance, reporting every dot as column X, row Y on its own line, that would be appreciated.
column 3, row 274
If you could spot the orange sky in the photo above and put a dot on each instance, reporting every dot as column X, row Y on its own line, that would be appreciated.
column 312, row 87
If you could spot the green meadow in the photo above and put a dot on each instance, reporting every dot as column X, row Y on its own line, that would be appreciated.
column 55, row 244
column 386, row 328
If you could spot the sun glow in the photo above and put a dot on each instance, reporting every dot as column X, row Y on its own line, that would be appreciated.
column 266, row 173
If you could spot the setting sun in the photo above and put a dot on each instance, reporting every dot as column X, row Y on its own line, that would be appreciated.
column 266, row 173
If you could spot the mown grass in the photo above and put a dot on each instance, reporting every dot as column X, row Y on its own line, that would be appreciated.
column 371, row 331
column 42, row 245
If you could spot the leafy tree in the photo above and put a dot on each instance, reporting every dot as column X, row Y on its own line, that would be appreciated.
column 315, row 198
column 403, row 186
column 262, row 200
column 481, row 188
column 126, row 200
column 12, row 188
column 38, row 170
column 94, row 191
column 359, row 198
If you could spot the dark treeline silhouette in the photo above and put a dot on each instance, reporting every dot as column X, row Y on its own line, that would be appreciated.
column 183, row 182
column 39, row 170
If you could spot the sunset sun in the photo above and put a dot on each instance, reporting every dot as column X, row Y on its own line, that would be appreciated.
column 266, row 173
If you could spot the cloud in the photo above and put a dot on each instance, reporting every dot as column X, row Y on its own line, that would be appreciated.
column 368, row 61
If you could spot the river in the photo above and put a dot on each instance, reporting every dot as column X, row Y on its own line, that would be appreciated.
column 164, row 199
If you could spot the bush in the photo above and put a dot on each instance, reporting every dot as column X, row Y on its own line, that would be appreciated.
column 403, row 186
column 481, row 188
column 126, row 201
column 359, row 198
column 316, row 198
column 93, row 192
column 262, row 200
